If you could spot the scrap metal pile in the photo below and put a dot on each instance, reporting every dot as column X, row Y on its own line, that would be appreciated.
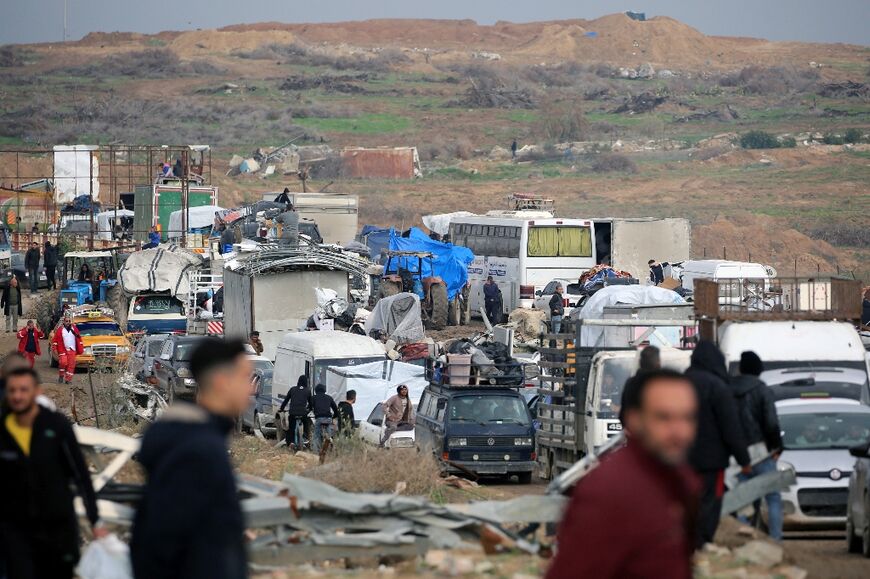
column 301, row 520
column 276, row 259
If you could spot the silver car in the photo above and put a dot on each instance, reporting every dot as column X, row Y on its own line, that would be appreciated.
column 817, row 435
column 147, row 348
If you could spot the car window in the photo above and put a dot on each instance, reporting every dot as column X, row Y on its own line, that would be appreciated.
column 615, row 373
column 184, row 350
column 489, row 409
column 423, row 407
column 377, row 415
column 154, row 347
column 440, row 408
column 811, row 388
column 551, row 288
column 99, row 329
column 166, row 353
column 824, row 430
column 158, row 305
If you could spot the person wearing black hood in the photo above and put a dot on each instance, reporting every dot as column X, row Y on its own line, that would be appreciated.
column 299, row 400
column 719, row 434
column 325, row 412
column 189, row 523
column 757, row 410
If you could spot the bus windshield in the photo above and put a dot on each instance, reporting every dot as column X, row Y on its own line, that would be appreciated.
column 555, row 241
column 157, row 305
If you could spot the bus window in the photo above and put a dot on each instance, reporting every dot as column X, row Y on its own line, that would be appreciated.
column 560, row 242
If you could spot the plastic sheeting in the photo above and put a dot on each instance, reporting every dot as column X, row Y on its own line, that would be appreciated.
column 198, row 218
column 636, row 295
column 399, row 316
column 449, row 262
column 377, row 239
column 440, row 223
column 73, row 173
column 374, row 382
column 163, row 268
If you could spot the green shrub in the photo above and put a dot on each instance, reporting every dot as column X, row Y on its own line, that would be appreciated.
column 788, row 143
column 853, row 135
column 833, row 139
column 759, row 140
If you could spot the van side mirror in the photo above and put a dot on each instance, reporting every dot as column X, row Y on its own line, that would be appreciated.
column 861, row 451
column 377, row 421
column 538, row 293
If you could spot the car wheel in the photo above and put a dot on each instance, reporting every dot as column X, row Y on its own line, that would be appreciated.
column 853, row 541
column 524, row 478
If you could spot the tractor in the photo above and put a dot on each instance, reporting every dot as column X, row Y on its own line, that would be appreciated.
column 403, row 272
column 78, row 287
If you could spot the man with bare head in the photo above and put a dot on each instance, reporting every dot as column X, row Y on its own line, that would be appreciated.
column 40, row 461
column 634, row 515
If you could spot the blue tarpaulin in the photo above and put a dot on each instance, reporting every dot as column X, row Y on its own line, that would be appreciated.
column 449, row 262
column 377, row 239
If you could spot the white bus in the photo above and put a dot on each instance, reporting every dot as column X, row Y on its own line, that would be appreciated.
column 523, row 251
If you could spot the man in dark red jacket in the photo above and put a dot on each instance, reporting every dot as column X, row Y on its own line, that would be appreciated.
column 634, row 515
column 28, row 342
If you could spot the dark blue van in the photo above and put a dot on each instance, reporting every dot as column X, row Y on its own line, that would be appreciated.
column 485, row 430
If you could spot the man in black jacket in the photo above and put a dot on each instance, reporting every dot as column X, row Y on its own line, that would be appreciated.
column 40, row 460
column 557, row 310
column 757, row 409
column 325, row 411
column 346, row 421
column 49, row 261
column 31, row 262
column 719, row 434
column 298, row 404
column 189, row 524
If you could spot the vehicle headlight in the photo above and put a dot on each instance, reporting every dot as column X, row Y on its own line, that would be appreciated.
column 783, row 466
column 123, row 349
column 526, row 441
column 183, row 373
column 189, row 382
column 457, row 442
column 89, row 351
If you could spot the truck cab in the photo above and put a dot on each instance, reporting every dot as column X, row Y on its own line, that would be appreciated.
column 609, row 371
column 477, row 429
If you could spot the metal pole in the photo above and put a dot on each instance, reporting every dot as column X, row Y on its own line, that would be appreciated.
column 185, row 197
column 91, row 194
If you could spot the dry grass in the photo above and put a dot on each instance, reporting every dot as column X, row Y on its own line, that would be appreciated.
column 355, row 466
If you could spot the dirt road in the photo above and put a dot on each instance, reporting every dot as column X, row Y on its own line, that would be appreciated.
column 824, row 555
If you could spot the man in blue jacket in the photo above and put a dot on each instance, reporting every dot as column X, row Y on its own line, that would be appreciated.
column 189, row 524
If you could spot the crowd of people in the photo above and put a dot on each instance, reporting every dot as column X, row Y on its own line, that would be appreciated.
column 649, row 505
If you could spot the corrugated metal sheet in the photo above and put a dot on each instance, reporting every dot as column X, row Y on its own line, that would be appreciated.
column 399, row 163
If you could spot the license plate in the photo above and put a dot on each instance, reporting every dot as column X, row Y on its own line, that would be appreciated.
column 614, row 427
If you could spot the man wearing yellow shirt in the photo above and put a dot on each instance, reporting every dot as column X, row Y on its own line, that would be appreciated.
column 40, row 460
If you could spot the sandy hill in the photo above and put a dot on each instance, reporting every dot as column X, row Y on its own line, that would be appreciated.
column 615, row 39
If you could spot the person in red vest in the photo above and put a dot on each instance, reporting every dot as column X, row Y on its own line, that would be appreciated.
column 67, row 342
column 28, row 342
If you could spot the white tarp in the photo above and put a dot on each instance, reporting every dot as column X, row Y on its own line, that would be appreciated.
column 105, row 222
column 636, row 295
column 72, row 174
column 399, row 316
column 440, row 224
column 163, row 268
column 198, row 217
column 374, row 382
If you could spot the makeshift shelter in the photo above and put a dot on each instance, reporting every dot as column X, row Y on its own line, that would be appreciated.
column 636, row 295
column 374, row 382
column 398, row 317
column 449, row 262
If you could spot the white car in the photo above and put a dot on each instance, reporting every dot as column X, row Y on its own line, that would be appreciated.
column 372, row 430
column 817, row 436
column 570, row 300
column 260, row 362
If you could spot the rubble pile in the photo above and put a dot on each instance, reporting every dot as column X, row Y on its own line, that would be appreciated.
column 642, row 103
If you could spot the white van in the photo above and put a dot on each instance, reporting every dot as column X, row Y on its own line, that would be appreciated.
column 311, row 353
column 717, row 269
column 794, row 344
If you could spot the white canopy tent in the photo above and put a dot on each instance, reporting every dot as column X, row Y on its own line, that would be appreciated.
column 106, row 219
